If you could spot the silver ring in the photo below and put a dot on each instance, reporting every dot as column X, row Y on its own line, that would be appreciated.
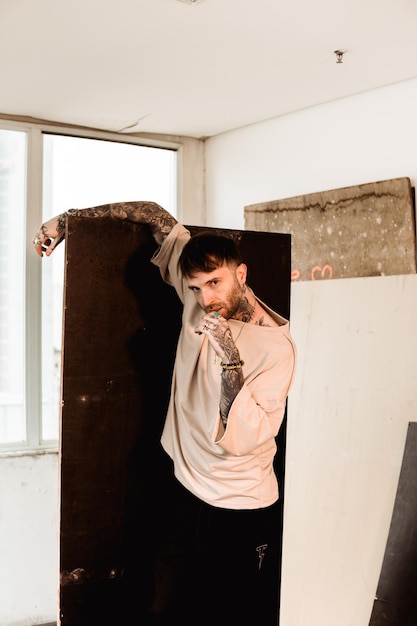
column 37, row 241
column 206, row 325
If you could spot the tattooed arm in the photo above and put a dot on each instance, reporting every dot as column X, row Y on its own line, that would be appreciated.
column 52, row 232
column 231, row 384
column 218, row 332
column 231, row 376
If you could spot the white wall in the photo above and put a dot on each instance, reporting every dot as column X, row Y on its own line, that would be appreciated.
column 356, row 140
column 28, row 539
column 355, row 389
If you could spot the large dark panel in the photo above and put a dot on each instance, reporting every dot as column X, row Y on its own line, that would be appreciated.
column 396, row 598
column 121, row 324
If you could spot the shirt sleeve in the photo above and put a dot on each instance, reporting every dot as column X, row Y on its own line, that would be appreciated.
column 166, row 258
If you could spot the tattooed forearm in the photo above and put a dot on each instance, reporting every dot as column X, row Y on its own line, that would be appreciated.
column 160, row 221
column 231, row 384
column 223, row 336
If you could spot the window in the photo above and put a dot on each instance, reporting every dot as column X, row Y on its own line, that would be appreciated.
column 12, row 286
column 43, row 173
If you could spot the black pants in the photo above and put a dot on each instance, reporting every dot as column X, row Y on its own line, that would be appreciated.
column 217, row 566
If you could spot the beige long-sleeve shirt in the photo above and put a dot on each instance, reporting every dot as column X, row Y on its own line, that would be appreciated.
column 233, row 467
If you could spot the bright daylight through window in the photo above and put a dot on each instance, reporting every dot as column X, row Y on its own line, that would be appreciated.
column 77, row 172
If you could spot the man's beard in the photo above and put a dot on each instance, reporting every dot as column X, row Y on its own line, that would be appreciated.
column 233, row 304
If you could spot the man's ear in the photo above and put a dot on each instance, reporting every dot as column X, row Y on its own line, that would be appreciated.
column 241, row 273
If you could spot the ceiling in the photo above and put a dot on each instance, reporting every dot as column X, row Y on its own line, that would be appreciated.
column 196, row 69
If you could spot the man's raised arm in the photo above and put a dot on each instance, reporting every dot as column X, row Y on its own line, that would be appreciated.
column 52, row 232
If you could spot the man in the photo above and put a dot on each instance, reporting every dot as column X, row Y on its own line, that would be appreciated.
column 219, row 560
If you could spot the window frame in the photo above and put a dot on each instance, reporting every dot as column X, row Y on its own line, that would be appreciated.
column 33, row 269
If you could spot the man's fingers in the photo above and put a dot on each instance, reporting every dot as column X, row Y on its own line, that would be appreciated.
column 48, row 245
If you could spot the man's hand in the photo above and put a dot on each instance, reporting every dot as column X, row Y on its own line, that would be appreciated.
column 217, row 330
column 49, row 235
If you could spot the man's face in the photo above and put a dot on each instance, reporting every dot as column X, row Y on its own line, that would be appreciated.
column 220, row 290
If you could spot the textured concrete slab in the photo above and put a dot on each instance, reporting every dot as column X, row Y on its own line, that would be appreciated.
column 364, row 230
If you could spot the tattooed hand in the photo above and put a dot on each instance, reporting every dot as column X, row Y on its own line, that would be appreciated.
column 49, row 235
column 217, row 330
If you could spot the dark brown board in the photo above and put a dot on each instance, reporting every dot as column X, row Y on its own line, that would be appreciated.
column 121, row 324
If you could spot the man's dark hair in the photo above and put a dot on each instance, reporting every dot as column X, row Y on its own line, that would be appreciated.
column 206, row 251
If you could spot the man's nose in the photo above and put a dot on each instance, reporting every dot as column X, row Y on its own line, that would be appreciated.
column 207, row 297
